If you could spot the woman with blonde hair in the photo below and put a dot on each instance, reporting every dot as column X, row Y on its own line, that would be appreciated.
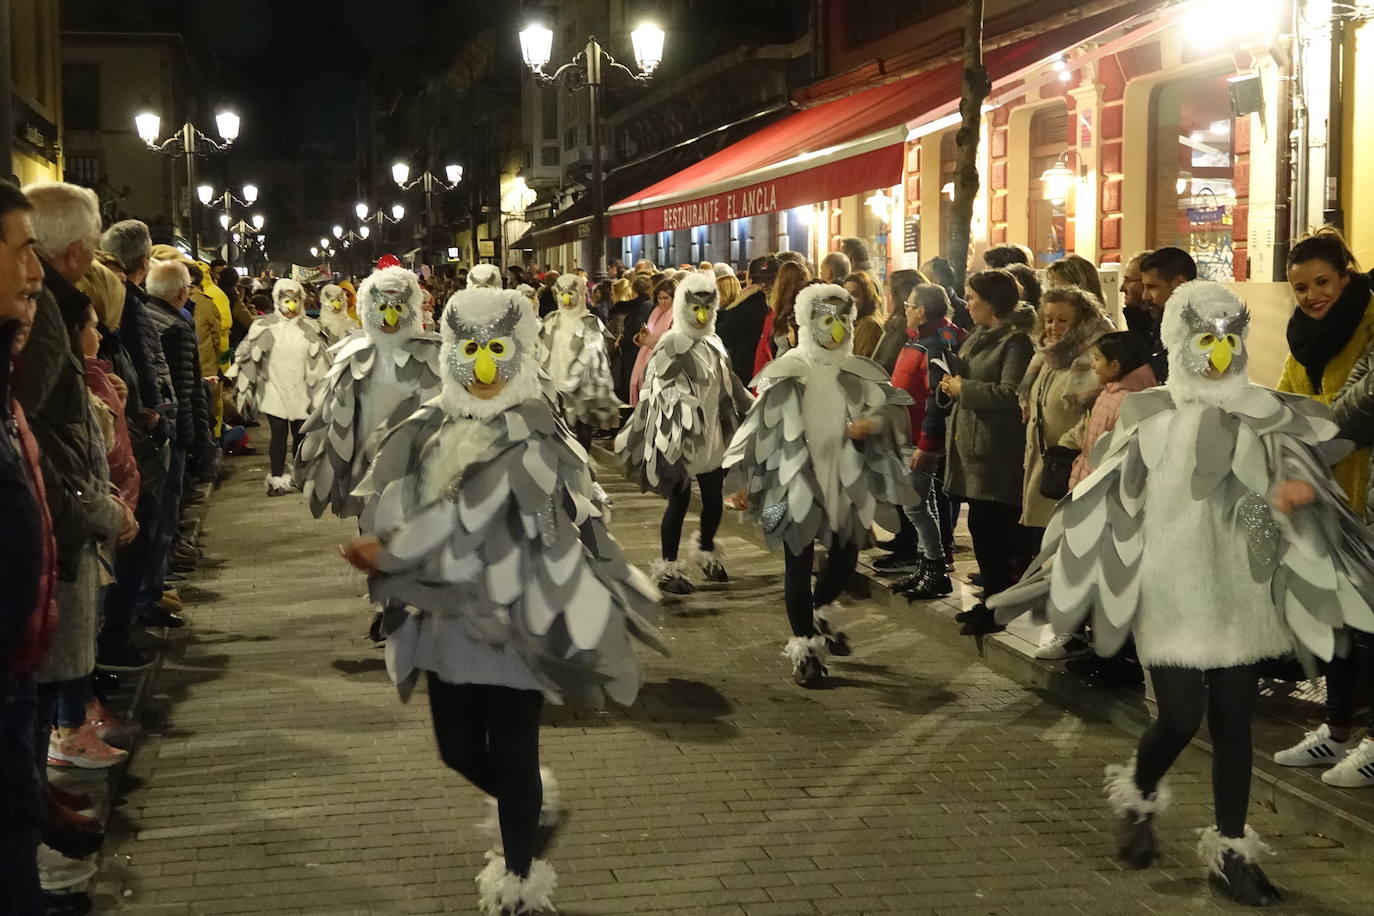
column 1074, row 270
column 728, row 287
column 868, row 327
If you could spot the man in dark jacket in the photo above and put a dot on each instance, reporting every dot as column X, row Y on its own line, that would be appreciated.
column 130, row 242
column 27, row 612
column 1162, row 272
column 169, row 288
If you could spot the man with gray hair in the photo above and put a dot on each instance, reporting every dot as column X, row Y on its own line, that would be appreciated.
column 130, row 242
column 169, row 288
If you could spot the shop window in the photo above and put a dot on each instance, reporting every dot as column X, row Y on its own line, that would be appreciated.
column 1048, row 215
column 797, row 228
column 949, row 168
column 1192, row 175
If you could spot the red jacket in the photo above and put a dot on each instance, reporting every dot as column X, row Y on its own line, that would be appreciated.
column 37, row 636
column 763, row 353
column 912, row 373
column 123, row 467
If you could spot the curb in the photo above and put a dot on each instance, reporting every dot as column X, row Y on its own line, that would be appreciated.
column 1295, row 794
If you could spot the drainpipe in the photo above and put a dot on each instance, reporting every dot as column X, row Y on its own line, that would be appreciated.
column 1302, row 128
column 1332, row 214
column 1283, row 132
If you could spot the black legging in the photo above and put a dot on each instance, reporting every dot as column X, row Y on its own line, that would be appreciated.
column 490, row 736
column 1343, row 679
column 712, row 486
column 1227, row 695
column 276, row 452
column 798, row 595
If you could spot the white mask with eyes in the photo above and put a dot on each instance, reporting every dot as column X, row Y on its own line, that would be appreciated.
column 491, row 338
column 825, row 323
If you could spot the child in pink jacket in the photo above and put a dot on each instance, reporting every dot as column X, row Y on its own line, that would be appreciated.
column 1121, row 361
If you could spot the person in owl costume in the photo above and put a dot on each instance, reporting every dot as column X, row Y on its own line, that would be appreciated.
column 335, row 320
column 484, row 276
column 818, row 455
column 277, row 368
column 1181, row 537
column 574, row 343
column 690, row 405
column 378, row 378
column 483, row 537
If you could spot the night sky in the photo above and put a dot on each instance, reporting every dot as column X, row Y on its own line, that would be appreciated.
column 294, row 68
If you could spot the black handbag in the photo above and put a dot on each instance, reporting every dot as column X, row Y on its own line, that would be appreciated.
column 1056, row 462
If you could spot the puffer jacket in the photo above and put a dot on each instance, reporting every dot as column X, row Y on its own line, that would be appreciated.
column 1102, row 420
column 144, row 342
column 986, row 438
column 191, row 420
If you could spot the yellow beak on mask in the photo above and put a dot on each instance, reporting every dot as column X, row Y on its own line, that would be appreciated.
column 392, row 316
column 837, row 332
column 1221, row 354
column 703, row 315
column 289, row 305
column 484, row 367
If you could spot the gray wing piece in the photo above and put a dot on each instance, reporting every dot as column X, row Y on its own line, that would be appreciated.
column 663, row 433
column 325, row 466
column 518, row 551
column 588, row 393
column 249, row 369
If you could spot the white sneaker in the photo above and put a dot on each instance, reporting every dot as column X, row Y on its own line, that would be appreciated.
column 1061, row 646
column 1356, row 769
column 1316, row 749
column 56, row 872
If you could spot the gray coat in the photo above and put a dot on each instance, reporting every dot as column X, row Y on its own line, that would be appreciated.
column 1353, row 411
column 986, row 438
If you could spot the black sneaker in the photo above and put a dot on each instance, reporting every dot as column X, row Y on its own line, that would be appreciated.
column 122, row 658
column 675, row 585
column 900, row 561
column 157, row 617
column 980, row 622
column 714, row 571
column 1136, row 844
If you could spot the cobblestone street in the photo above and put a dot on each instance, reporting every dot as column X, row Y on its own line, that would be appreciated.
column 281, row 774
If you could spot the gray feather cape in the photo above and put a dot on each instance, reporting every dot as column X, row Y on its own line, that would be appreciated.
column 661, row 439
column 252, row 360
column 335, row 453
column 773, row 462
column 518, row 550
column 587, row 393
column 1318, row 563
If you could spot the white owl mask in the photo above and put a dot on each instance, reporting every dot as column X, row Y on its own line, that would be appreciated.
column 695, row 305
column 332, row 298
column 1205, row 329
column 484, row 276
column 571, row 295
column 826, row 314
column 289, row 298
column 488, row 335
column 390, row 298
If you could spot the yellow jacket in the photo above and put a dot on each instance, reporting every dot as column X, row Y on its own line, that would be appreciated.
column 226, row 321
column 1352, row 472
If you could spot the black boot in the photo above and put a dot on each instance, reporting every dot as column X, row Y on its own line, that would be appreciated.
column 1135, row 843
column 909, row 582
column 1233, row 868
column 935, row 583
column 980, row 622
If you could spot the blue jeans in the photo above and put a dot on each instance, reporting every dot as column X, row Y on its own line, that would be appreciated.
column 72, row 697
column 168, row 524
column 925, row 515
column 20, row 799
column 133, row 563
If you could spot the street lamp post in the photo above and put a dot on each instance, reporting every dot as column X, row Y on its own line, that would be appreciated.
column 227, row 201
column 240, row 231
column 400, row 173
column 585, row 69
column 189, row 141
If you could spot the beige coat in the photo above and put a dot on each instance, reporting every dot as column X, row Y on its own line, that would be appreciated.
column 1060, row 393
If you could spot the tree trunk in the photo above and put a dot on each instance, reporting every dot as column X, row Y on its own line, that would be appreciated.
column 976, row 87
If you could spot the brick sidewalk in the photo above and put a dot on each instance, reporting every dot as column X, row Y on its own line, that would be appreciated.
column 282, row 775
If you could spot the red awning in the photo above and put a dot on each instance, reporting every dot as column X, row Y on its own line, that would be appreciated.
column 842, row 147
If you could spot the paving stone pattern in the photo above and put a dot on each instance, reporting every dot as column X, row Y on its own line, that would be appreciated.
column 282, row 775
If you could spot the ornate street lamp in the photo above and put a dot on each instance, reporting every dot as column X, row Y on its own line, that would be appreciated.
column 400, row 173
column 189, row 141
column 585, row 69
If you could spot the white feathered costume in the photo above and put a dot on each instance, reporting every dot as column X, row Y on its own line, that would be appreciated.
column 334, row 318
column 807, row 481
column 574, row 343
column 378, row 378
column 282, row 360
column 690, row 402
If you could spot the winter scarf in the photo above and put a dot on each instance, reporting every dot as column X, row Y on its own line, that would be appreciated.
column 1314, row 342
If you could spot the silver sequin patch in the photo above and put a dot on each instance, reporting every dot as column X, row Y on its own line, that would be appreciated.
column 1256, row 519
column 771, row 516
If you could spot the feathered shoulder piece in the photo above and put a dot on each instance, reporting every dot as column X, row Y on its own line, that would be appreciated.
column 587, row 392
column 1318, row 563
column 668, row 426
column 335, row 453
column 516, row 547
column 771, row 452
